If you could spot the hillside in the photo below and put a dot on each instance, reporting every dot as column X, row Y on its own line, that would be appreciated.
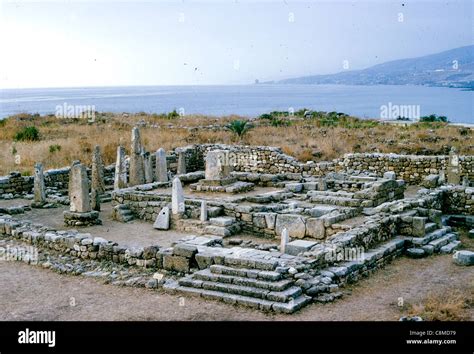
column 452, row 68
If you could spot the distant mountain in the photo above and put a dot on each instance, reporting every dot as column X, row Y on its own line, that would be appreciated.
column 451, row 68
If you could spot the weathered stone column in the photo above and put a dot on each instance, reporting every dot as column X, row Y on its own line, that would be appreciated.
column 203, row 216
column 137, row 174
column 97, row 176
column 161, row 166
column 80, row 213
column 148, row 167
column 454, row 173
column 120, row 177
column 177, row 197
column 218, row 165
column 97, row 179
column 79, row 189
column 285, row 238
column 38, row 188
column 181, row 162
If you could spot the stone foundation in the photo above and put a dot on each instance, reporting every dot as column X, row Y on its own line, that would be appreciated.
column 82, row 219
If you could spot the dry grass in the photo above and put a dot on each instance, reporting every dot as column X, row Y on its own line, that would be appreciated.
column 452, row 306
column 306, row 140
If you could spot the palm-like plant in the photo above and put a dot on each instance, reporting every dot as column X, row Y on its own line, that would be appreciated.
column 239, row 127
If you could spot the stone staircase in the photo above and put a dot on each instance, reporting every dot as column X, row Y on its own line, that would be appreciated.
column 223, row 226
column 122, row 213
column 436, row 240
column 431, row 237
column 259, row 287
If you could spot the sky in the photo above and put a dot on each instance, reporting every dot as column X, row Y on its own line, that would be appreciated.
column 208, row 42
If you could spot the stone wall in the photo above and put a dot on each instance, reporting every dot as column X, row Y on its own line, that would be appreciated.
column 18, row 185
column 265, row 159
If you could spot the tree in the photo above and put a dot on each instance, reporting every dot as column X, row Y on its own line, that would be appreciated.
column 239, row 127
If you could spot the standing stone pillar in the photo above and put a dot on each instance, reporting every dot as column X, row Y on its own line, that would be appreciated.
column 97, row 175
column 79, row 189
column 454, row 173
column 38, row 188
column 285, row 238
column 120, row 177
column 161, row 166
column 177, row 197
column 137, row 173
column 80, row 213
column 181, row 163
column 148, row 167
column 203, row 216
column 97, row 178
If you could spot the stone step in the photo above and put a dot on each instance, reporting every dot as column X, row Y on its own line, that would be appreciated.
column 246, row 273
column 223, row 231
column 208, row 275
column 333, row 200
column 430, row 227
column 266, row 305
column 420, row 241
column 222, row 221
column 450, row 247
column 440, row 242
column 279, row 296
column 245, row 262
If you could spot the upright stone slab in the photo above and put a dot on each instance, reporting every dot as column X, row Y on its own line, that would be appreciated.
column 97, row 174
column 454, row 173
column 177, row 197
column 218, row 165
column 120, row 177
column 80, row 213
column 137, row 173
column 162, row 221
column 97, row 179
column 148, row 167
column 181, row 162
column 38, row 188
column 203, row 216
column 285, row 238
column 79, row 189
column 161, row 166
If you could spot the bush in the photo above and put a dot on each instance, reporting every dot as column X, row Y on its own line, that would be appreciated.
column 173, row 114
column 54, row 148
column 432, row 118
column 266, row 116
column 27, row 134
column 239, row 127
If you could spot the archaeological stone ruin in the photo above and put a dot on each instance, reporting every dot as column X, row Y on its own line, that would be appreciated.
column 248, row 225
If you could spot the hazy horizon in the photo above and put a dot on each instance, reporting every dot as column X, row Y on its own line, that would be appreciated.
column 56, row 44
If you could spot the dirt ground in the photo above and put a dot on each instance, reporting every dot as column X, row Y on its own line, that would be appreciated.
column 32, row 293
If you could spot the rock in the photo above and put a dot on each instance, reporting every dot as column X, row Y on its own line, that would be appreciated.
column 464, row 258
column 184, row 250
column 408, row 318
column 151, row 284
column 162, row 221
column 293, row 223
column 390, row 175
column 296, row 247
column 415, row 252
column 430, row 181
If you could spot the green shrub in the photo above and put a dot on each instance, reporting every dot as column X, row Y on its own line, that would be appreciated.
column 54, row 148
column 239, row 127
column 433, row 118
column 173, row 114
column 27, row 134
